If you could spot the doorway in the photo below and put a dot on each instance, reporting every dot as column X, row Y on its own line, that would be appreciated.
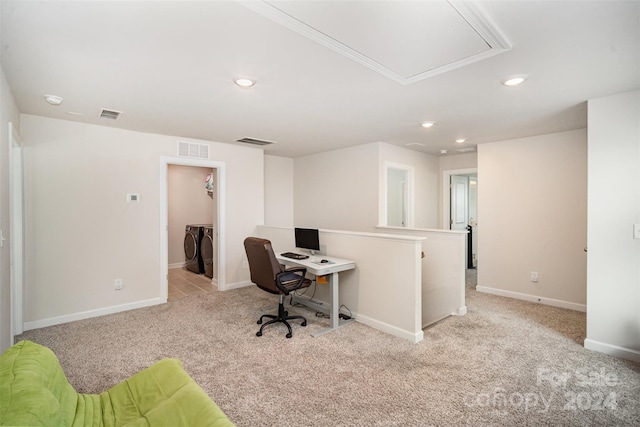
column 460, row 212
column 192, row 200
column 217, row 218
column 397, row 198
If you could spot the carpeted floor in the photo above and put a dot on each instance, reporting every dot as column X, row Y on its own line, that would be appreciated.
column 507, row 362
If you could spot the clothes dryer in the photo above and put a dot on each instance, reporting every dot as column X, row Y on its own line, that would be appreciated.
column 207, row 244
column 192, row 237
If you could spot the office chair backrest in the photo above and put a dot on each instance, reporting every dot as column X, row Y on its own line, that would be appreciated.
column 263, row 264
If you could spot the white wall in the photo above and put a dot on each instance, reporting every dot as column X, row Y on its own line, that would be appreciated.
column 278, row 191
column 81, row 233
column 329, row 187
column 425, row 180
column 8, row 113
column 443, row 272
column 337, row 189
column 458, row 161
column 532, row 202
column 188, row 203
column 613, row 292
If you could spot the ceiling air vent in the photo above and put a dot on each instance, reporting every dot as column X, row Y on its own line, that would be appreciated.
column 254, row 141
column 110, row 114
column 193, row 150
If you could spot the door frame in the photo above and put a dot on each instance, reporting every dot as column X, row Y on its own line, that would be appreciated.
column 220, row 168
column 446, row 193
column 16, row 236
column 383, row 193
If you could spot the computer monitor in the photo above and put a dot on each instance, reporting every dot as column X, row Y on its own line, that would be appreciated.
column 307, row 238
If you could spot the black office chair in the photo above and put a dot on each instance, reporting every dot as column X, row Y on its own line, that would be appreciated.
column 270, row 276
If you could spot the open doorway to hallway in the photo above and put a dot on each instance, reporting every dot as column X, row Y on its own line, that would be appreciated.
column 460, row 208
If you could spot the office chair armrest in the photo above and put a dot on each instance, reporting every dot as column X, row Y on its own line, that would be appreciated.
column 292, row 278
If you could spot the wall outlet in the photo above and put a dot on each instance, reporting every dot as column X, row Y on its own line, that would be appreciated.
column 117, row 284
column 534, row 276
column 636, row 231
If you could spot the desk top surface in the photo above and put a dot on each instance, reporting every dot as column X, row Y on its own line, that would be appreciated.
column 314, row 266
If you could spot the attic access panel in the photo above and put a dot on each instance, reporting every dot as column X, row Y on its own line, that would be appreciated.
column 406, row 41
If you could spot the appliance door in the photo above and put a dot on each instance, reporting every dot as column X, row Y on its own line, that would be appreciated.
column 206, row 252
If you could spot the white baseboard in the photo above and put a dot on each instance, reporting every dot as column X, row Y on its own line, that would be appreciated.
column 36, row 324
column 236, row 285
column 324, row 307
column 533, row 298
column 390, row 329
column 612, row 350
column 462, row 311
column 177, row 265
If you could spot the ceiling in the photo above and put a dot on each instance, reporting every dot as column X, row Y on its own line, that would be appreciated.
column 330, row 74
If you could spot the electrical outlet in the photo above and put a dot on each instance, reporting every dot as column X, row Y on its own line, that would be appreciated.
column 117, row 284
column 636, row 231
column 534, row 276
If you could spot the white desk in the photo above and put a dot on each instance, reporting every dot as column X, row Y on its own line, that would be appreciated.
column 331, row 270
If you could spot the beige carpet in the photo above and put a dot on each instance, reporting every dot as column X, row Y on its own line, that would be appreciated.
column 506, row 362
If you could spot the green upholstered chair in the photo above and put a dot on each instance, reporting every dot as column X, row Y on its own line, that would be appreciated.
column 34, row 391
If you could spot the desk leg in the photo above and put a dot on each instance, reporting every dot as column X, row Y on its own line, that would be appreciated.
column 334, row 309
column 334, row 317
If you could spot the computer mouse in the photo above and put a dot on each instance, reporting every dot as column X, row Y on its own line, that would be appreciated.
column 324, row 260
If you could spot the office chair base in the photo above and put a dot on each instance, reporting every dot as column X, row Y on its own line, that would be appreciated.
column 282, row 317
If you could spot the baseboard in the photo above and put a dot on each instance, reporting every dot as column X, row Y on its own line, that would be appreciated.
column 324, row 307
column 533, row 298
column 177, row 265
column 462, row 311
column 36, row 324
column 236, row 285
column 390, row 329
column 612, row 350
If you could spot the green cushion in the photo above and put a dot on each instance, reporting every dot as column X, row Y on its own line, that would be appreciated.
column 33, row 388
column 161, row 395
column 35, row 392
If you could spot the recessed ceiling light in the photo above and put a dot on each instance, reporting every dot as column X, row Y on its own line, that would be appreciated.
column 53, row 99
column 427, row 124
column 461, row 140
column 244, row 82
column 514, row 80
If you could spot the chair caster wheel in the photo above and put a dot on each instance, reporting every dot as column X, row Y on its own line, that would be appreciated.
column 259, row 322
column 289, row 335
column 303, row 324
column 258, row 334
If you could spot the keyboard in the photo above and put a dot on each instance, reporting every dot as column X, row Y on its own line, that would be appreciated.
column 294, row 255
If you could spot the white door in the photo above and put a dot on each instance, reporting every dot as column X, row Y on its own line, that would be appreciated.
column 459, row 202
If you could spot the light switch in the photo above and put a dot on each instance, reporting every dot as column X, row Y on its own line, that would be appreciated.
column 636, row 231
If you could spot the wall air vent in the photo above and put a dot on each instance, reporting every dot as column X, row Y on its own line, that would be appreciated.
column 254, row 141
column 110, row 114
column 193, row 150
